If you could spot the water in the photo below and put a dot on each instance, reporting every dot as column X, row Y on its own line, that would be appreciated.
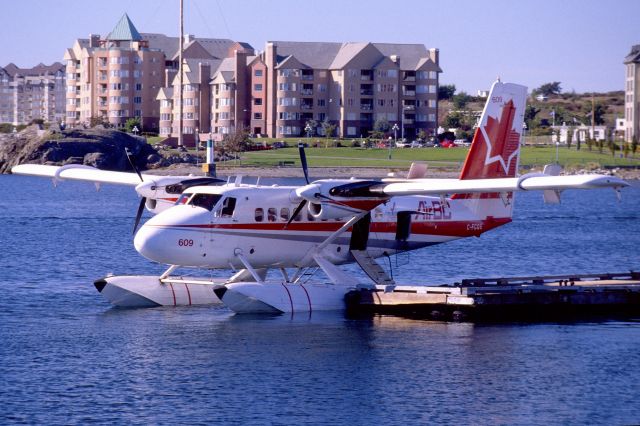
column 67, row 357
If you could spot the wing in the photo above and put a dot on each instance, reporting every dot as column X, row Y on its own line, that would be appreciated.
column 161, row 191
column 529, row 182
column 89, row 174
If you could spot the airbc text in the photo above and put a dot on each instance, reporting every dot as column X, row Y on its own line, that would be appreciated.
column 433, row 210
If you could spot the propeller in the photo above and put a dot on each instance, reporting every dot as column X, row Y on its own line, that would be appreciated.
column 303, row 161
column 143, row 200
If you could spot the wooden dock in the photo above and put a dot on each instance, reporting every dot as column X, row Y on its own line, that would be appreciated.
column 513, row 298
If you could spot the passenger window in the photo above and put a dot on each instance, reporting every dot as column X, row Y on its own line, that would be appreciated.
column 228, row 206
column 284, row 214
column 206, row 201
column 259, row 215
column 272, row 214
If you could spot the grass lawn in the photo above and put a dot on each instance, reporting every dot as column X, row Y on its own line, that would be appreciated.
column 155, row 139
column 435, row 157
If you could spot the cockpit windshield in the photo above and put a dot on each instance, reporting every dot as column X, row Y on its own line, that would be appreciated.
column 207, row 201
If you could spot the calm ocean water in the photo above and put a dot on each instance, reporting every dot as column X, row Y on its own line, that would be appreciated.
column 67, row 357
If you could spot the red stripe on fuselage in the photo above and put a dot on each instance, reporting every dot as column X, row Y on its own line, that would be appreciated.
column 446, row 227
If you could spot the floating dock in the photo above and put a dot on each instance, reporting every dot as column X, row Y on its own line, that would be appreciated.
column 514, row 298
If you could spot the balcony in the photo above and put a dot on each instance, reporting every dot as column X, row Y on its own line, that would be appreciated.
column 409, row 76
column 307, row 92
column 409, row 92
column 306, row 106
column 307, row 77
column 366, row 107
column 366, row 92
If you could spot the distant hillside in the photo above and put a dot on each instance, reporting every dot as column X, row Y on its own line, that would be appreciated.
column 568, row 107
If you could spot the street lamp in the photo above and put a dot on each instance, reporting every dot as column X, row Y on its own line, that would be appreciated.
column 197, row 142
column 395, row 137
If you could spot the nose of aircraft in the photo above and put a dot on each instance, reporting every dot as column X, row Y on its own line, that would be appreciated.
column 174, row 237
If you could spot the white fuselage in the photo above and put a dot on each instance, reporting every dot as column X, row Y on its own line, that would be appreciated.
column 211, row 226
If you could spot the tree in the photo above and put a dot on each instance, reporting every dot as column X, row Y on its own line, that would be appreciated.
column 599, row 110
column 237, row 142
column 548, row 89
column 446, row 91
column 131, row 123
column 313, row 125
column 530, row 115
column 452, row 120
column 422, row 135
column 634, row 144
column 328, row 128
column 578, row 141
column 460, row 100
column 381, row 125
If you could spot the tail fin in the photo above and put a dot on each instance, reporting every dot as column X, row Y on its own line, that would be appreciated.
column 495, row 151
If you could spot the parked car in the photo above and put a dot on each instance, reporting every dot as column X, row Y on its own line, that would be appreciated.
column 279, row 144
column 462, row 142
column 416, row 144
column 447, row 144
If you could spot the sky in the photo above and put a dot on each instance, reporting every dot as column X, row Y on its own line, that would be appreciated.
column 580, row 43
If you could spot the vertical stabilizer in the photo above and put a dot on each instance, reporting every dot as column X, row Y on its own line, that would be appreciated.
column 495, row 151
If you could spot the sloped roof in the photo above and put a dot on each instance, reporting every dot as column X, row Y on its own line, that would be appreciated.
column 318, row 55
column 328, row 55
column 124, row 30
column 634, row 55
column 427, row 64
column 193, row 49
column 165, row 93
column 39, row 70
column 216, row 47
column 346, row 53
column 410, row 54
column 291, row 62
column 223, row 77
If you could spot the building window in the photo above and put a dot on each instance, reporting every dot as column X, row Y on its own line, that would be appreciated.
column 257, row 73
column 137, row 99
column 351, row 131
column 138, row 86
column 321, row 102
column 257, row 87
column 257, row 116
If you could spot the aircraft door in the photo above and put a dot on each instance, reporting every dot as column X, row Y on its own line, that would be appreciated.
column 360, row 233
column 403, row 228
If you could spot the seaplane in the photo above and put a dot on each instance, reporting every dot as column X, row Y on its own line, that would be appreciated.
column 259, row 231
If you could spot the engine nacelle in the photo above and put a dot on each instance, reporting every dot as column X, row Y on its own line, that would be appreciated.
column 328, row 210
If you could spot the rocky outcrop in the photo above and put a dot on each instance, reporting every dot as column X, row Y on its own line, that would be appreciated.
column 101, row 148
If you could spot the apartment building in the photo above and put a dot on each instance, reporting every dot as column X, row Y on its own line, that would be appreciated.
column 204, row 77
column 350, row 85
column 631, row 94
column 119, row 76
column 27, row 94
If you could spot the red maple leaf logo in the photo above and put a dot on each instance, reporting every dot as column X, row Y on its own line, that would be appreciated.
column 495, row 148
column 502, row 141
